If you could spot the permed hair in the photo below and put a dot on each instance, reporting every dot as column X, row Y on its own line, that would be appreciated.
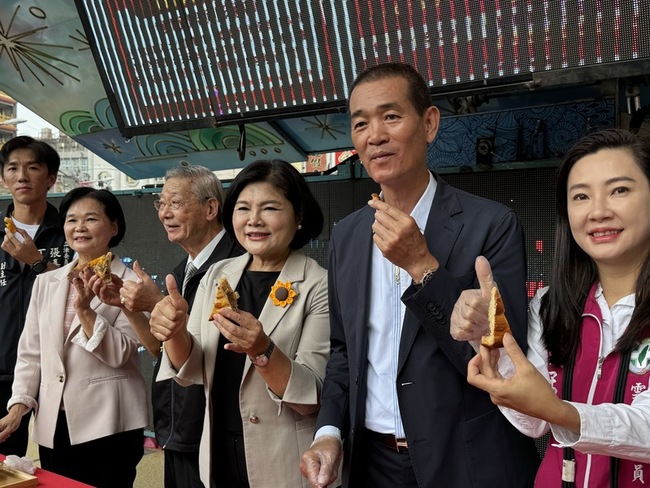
column 291, row 184
column 106, row 199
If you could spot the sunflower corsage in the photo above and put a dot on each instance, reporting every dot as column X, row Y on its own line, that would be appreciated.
column 282, row 294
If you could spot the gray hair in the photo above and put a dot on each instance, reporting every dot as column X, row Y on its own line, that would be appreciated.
column 204, row 184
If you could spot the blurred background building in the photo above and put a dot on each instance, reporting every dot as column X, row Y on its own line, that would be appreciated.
column 8, row 118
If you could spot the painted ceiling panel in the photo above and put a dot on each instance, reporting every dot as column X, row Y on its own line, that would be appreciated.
column 318, row 133
column 47, row 65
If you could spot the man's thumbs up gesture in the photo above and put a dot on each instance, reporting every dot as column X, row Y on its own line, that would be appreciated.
column 169, row 316
column 142, row 295
column 169, row 324
column 526, row 389
column 469, row 319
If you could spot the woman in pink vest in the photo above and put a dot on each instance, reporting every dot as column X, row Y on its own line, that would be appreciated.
column 587, row 374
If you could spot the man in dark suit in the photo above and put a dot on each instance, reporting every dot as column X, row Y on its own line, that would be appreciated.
column 395, row 405
column 28, row 169
column 190, row 209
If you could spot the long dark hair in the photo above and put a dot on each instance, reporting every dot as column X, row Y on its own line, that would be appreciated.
column 574, row 272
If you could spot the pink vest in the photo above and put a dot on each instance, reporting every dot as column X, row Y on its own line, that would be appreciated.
column 595, row 468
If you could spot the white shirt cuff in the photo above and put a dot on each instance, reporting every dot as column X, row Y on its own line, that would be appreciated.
column 327, row 431
column 99, row 331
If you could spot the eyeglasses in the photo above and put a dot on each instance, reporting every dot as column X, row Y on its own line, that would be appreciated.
column 174, row 205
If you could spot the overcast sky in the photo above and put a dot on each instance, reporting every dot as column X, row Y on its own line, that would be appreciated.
column 34, row 123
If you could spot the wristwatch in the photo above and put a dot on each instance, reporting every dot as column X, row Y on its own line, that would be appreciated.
column 40, row 266
column 262, row 360
column 426, row 276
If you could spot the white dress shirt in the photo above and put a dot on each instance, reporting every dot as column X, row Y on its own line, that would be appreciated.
column 206, row 252
column 387, row 284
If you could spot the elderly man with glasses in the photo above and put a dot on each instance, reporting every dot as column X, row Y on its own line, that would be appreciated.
column 189, row 208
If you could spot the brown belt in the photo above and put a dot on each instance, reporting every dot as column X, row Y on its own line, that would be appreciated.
column 398, row 444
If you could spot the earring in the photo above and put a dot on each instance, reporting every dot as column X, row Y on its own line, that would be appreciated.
column 299, row 226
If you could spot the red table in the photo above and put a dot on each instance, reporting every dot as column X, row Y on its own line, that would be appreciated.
column 47, row 479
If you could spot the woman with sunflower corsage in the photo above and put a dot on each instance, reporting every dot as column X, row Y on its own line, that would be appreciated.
column 263, row 361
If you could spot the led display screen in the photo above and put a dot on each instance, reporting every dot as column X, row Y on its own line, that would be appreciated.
column 193, row 61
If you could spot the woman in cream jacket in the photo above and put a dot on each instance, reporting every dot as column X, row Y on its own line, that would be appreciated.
column 262, row 366
column 77, row 364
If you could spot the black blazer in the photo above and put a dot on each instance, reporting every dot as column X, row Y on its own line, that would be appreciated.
column 178, row 410
column 457, row 437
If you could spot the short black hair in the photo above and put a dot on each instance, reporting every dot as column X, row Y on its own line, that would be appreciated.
column 106, row 199
column 417, row 88
column 45, row 154
column 291, row 184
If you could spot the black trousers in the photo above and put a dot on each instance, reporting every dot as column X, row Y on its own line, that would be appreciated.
column 107, row 462
column 229, row 461
column 182, row 469
column 382, row 467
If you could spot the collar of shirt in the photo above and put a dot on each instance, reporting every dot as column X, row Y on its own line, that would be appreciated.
column 421, row 210
column 206, row 252
column 615, row 318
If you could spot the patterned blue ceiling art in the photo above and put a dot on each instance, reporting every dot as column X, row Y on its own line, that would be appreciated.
column 520, row 135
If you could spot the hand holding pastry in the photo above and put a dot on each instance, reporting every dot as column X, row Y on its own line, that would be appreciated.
column 83, row 283
column 18, row 243
column 243, row 330
column 109, row 293
column 400, row 240
column 526, row 391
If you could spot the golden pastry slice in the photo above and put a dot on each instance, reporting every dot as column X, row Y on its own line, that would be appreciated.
column 9, row 225
column 101, row 266
column 498, row 322
column 226, row 297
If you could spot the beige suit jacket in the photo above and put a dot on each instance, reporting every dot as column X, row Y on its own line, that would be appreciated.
column 101, row 388
column 275, row 435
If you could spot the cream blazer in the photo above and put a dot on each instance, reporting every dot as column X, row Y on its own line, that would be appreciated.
column 101, row 387
column 275, row 435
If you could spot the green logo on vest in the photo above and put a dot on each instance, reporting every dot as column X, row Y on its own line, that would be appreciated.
column 640, row 358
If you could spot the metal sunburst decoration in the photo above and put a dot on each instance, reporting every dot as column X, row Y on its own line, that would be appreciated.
column 324, row 126
column 34, row 57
